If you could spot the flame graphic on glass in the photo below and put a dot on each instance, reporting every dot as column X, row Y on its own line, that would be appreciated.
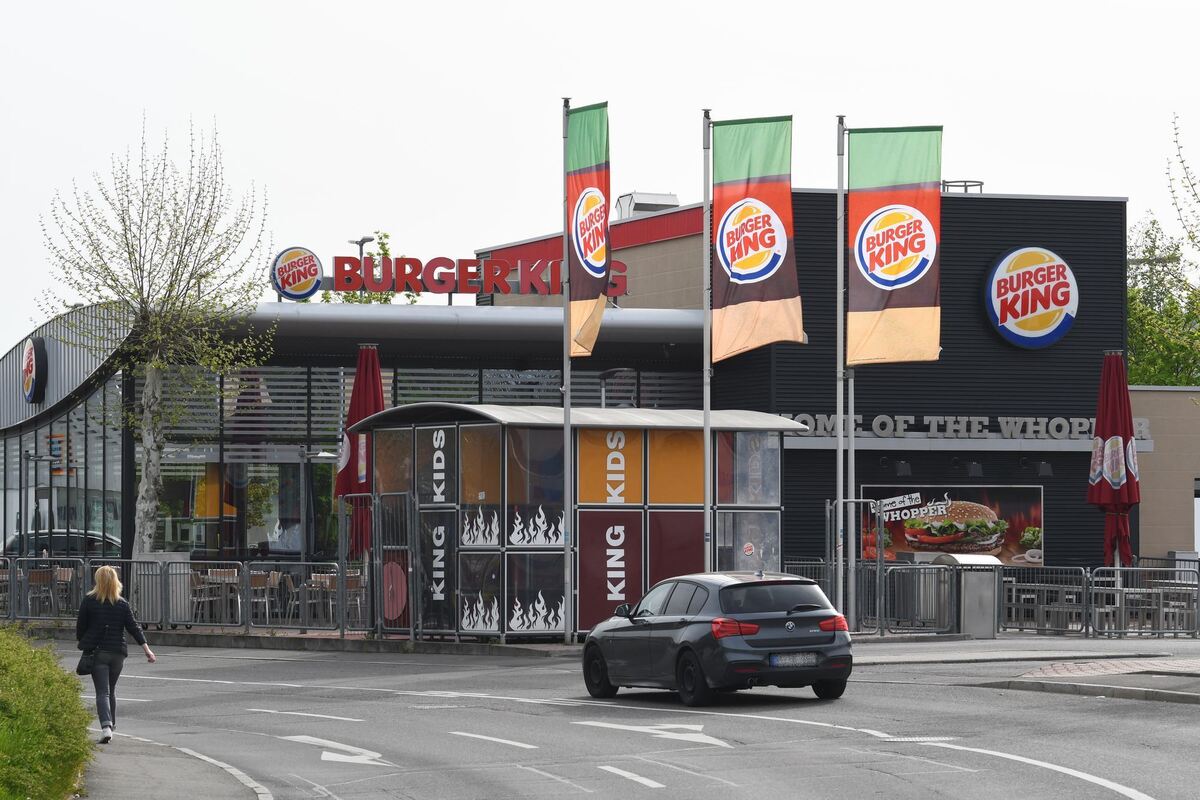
column 479, row 532
column 538, row 530
column 537, row 616
column 480, row 615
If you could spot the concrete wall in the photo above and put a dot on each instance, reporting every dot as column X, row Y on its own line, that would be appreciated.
column 1168, row 475
column 661, row 275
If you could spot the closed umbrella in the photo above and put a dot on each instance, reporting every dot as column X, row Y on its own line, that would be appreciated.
column 354, row 461
column 1113, row 478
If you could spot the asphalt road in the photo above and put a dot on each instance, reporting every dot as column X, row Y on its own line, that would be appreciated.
column 308, row 725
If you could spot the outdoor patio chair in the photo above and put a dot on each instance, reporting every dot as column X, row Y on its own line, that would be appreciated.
column 40, row 591
column 204, row 597
column 260, row 596
column 301, row 601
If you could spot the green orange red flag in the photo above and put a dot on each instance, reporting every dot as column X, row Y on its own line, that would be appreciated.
column 590, row 253
column 755, row 292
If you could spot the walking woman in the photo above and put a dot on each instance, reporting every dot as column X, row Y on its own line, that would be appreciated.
column 104, row 616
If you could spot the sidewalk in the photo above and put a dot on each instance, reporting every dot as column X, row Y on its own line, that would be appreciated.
column 132, row 768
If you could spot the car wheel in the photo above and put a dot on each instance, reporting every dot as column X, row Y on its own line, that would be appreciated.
column 595, row 674
column 830, row 689
column 690, row 681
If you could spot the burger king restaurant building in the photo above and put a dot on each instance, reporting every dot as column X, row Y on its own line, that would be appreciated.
column 996, row 431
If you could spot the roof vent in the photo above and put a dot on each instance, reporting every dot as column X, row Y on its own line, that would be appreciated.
column 636, row 204
column 966, row 187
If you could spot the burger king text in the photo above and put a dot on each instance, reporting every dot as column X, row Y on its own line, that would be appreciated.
column 465, row 276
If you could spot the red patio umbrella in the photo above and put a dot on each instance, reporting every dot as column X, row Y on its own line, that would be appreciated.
column 354, row 459
column 1113, row 478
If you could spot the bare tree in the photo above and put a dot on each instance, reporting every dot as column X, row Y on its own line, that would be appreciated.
column 168, row 253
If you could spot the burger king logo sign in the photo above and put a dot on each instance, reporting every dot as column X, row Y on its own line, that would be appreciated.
column 1032, row 297
column 895, row 247
column 33, row 370
column 588, row 224
column 751, row 241
column 296, row 273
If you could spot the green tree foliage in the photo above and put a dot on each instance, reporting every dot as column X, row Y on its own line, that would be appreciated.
column 1164, row 310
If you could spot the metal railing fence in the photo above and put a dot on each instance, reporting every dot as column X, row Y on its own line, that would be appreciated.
column 48, row 588
column 1142, row 601
column 1044, row 599
column 293, row 594
column 208, row 593
column 142, row 586
column 920, row 598
column 7, row 579
column 816, row 569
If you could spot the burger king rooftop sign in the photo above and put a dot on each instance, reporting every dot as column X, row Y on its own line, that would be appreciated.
column 1032, row 297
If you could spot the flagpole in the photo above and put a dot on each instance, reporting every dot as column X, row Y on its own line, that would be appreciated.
column 839, row 493
column 706, row 306
column 564, row 271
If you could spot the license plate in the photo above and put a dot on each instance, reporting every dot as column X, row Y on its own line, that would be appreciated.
column 793, row 659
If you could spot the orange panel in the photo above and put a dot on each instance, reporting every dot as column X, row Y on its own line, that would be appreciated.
column 676, row 467
column 610, row 466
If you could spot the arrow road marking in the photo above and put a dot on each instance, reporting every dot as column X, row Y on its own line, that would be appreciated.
column 494, row 739
column 675, row 732
column 633, row 776
column 349, row 753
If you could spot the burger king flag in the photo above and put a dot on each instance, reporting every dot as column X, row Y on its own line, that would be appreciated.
column 587, row 222
column 895, row 203
column 755, row 295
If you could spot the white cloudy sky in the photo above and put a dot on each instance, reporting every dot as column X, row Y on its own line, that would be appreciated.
column 440, row 122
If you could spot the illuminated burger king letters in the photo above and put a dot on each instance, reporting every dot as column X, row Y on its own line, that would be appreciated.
column 895, row 247
column 751, row 241
column 591, row 212
column 296, row 273
column 1032, row 297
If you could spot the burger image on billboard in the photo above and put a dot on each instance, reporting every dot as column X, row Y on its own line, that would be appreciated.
column 965, row 527
column 751, row 241
column 895, row 247
column 1032, row 298
column 296, row 273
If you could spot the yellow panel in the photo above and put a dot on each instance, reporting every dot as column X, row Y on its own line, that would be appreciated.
column 610, row 466
column 676, row 467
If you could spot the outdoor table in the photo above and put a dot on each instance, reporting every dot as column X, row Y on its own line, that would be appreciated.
column 227, row 582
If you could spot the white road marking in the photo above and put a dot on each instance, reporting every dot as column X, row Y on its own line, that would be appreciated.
column 212, row 680
column 320, row 790
column 494, row 739
column 303, row 714
column 664, row 732
column 633, row 776
column 949, row 767
column 119, row 699
column 349, row 754
column 558, row 778
column 1125, row 791
column 688, row 771
column 262, row 792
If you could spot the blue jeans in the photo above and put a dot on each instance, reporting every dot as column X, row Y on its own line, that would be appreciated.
column 104, row 677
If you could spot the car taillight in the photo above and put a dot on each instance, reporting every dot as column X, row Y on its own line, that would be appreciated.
column 837, row 623
column 722, row 627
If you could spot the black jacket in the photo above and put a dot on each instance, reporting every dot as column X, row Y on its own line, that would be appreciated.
column 102, row 626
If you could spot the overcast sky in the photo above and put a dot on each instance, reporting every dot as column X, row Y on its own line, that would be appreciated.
column 440, row 122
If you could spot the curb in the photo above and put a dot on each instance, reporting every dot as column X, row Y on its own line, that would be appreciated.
column 885, row 661
column 324, row 644
column 1095, row 690
column 909, row 638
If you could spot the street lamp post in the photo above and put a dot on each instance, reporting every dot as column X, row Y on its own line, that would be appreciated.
column 361, row 243
column 34, row 459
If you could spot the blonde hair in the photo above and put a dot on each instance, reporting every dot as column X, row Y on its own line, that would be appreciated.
column 108, row 585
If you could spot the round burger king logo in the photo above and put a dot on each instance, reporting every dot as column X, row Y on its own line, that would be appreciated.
column 895, row 247
column 28, row 370
column 1032, row 297
column 296, row 273
column 589, row 226
column 751, row 241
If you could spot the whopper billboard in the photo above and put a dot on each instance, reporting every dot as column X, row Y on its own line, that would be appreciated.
column 921, row 522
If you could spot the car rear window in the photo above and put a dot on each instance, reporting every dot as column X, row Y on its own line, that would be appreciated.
column 761, row 598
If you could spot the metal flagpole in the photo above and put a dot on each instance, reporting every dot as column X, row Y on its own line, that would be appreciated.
column 839, row 513
column 706, row 305
column 851, row 490
column 564, row 271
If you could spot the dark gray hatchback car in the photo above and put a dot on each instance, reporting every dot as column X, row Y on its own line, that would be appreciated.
column 722, row 631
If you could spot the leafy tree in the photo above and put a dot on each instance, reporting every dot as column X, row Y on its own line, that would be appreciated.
column 1164, row 310
column 169, row 254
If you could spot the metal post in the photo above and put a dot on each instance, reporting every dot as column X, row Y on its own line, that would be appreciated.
column 880, row 575
column 851, row 521
column 706, row 307
column 342, row 558
column 840, row 493
column 564, row 273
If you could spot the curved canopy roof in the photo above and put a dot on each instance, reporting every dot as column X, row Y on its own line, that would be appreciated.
column 552, row 417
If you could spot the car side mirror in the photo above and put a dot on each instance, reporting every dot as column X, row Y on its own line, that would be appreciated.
column 622, row 610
